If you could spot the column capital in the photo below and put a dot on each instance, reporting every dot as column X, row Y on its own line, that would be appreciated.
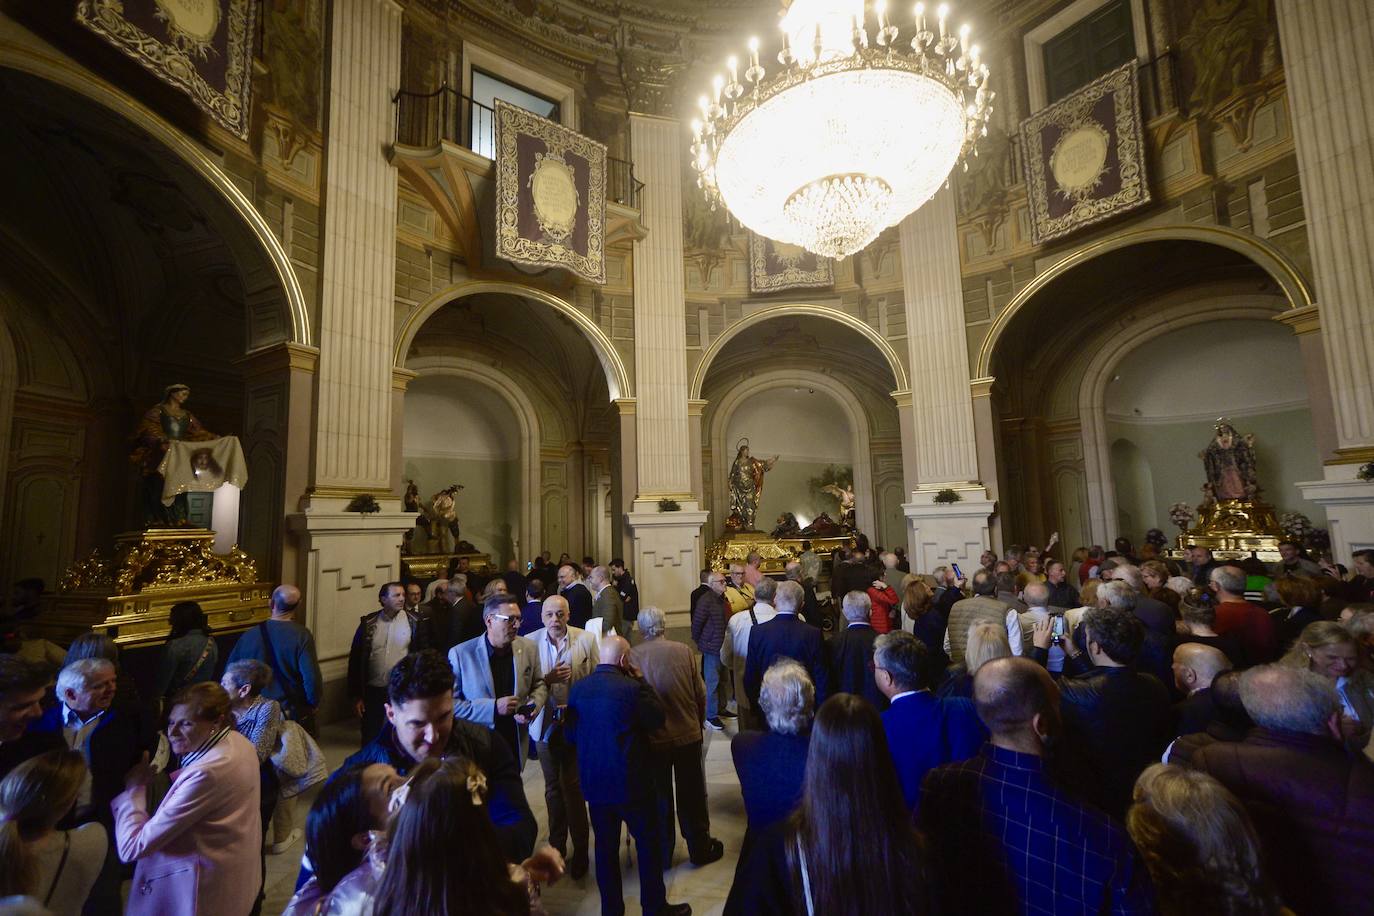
column 1305, row 320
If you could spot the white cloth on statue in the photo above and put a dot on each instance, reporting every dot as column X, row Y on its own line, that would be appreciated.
column 201, row 467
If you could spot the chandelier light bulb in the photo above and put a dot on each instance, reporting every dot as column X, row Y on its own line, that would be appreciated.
column 851, row 134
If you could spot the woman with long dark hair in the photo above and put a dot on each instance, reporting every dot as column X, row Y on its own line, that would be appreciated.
column 818, row 861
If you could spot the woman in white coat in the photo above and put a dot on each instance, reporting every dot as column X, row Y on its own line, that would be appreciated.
column 198, row 849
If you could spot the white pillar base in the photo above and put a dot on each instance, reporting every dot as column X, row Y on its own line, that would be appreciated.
column 345, row 558
column 945, row 533
column 1349, row 505
column 668, row 556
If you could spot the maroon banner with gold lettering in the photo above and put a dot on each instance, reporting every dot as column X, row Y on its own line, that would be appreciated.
column 550, row 194
column 1085, row 156
column 202, row 47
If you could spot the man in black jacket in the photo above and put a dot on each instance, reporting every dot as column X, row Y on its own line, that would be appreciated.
column 420, row 724
column 611, row 713
column 1116, row 720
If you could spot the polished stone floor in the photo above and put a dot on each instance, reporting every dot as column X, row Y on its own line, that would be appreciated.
column 704, row 888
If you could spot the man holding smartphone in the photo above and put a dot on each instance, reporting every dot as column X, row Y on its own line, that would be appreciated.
column 498, row 681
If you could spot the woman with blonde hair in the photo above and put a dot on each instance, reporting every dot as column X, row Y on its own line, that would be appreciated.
column 1199, row 845
column 986, row 640
column 57, row 868
column 1329, row 649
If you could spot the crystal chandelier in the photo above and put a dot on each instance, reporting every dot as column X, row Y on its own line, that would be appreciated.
column 851, row 134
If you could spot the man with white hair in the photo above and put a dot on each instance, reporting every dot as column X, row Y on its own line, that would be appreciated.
column 735, row 649
column 670, row 668
column 566, row 655
column 1311, row 801
column 851, row 652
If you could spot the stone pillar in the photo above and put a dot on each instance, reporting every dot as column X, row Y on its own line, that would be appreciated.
column 942, row 436
column 666, row 546
column 346, row 555
column 1333, row 129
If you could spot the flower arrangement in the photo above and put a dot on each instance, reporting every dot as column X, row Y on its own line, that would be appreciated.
column 946, row 496
column 1182, row 515
column 668, row 505
column 1295, row 526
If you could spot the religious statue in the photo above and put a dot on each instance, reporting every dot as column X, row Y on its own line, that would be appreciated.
column 746, row 485
column 787, row 526
column 845, row 495
column 442, row 511
column 1230, row 463
column 163, row 424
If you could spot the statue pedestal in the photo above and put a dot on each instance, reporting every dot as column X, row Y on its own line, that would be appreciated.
column 1233, row 529
column 131, row 597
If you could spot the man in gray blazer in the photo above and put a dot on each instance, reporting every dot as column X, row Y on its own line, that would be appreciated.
column 606, row 602
column 566, row 655
column 497, row 681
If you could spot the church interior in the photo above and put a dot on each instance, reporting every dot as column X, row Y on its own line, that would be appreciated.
column 1137, row 303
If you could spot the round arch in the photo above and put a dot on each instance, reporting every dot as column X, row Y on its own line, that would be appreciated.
column 526, row 417
column 61, row 72
column 1269, row 259
column 865, row 500
column 791, row 310
column 1092, row 392
column 617, row 378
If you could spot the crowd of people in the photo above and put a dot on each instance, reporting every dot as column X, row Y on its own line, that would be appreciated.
column 1109, row 733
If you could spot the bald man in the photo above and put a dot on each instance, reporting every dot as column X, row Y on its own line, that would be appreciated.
column 611, row 713
column 288, row 649
column 1196, row 665
column 998, row 826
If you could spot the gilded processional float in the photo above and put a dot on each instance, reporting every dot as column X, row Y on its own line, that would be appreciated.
column 169, row 560
column 1233, row 522
column 784, row 542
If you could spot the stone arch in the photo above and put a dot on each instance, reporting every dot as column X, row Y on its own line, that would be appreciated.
column 527, row 418
column 1280, row 269
column 789, row 310
column 865, row 512
column 279, row 299
column 1092, row 393
column 618, row 381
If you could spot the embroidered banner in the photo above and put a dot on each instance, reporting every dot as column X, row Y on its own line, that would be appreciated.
column 550, row 194
column 202, row 47
column 775, row 266
column 200, row 467
column 1085, row 156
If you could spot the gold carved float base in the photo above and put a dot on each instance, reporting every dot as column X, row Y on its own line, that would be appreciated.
column 427, row 567
column 131, row 596
column 776, row 552
column 1233, row 529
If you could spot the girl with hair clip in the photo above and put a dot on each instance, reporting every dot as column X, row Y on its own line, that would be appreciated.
column 422, row 876
column 56, row 868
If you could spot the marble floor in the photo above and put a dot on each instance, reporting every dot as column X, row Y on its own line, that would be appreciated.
column 704, row 888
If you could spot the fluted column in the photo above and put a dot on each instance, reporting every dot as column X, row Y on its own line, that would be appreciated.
column 666, row 547
column 660, row 312
column 357, row 278
column 1328, row 46
column 941, row 407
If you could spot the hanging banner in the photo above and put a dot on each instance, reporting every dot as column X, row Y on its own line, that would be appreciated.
column 1085, row 157
column 202, row 47
column 550, row 195
column 775, row 266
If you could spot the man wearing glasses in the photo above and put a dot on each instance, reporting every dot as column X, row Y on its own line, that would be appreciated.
column 497, row 677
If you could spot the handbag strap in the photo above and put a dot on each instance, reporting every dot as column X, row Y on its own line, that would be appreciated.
column 61, row 864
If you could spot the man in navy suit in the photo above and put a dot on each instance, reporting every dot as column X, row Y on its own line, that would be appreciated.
column 922, row 732
column 611, row 713
column 786, row 635
column 851, row 653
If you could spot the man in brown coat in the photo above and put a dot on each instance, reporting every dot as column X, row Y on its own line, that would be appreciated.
column 1312, row 801
column 670, row 668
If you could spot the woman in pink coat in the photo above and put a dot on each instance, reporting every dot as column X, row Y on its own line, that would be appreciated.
column 199, row 851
